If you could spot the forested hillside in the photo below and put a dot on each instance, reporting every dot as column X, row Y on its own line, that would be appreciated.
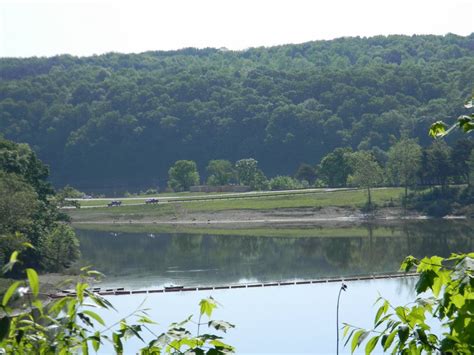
column 124, row 119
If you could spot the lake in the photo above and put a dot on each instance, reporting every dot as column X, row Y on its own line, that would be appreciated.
column 285, row 319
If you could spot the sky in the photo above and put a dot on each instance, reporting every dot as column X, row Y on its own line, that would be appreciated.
column 87, row 27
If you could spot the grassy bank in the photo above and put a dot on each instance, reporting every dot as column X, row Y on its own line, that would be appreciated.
column 197, row 196
column 354, row 199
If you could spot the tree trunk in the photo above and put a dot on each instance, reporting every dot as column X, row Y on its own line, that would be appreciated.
column 370, row 198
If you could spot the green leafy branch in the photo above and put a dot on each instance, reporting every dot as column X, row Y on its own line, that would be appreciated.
column 69, row 324
column 464, row 122
column 404, row 329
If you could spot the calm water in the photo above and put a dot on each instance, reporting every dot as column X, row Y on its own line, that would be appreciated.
column 138, row 260
column 291, row 319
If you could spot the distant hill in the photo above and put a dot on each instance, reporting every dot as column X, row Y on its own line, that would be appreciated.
column 123, row 119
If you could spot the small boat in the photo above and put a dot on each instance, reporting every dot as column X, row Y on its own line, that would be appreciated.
column 173, row 287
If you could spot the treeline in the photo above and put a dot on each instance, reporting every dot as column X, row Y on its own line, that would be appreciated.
column 123, row 119
column 405, row 164
column 30, row 221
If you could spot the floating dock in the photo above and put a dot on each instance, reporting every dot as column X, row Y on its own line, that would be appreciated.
column 121, row 291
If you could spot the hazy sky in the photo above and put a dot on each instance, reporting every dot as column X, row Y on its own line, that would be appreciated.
column 86, row 27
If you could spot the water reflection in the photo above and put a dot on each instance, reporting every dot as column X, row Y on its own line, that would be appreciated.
column 138, row 260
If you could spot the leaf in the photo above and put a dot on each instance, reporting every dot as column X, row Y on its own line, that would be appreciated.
column 135, row 330
column 437, row 129
column 412, row 347
column 383, row 319
column 11, row 290
column 95, row 274
column 85, row 348
column 85, row 319
column 146, row 320
column 100, row 301
column 175, row 324
column 85, row 268
column 436, row 262
column 13, row 260
column 466, row 123
column 94, row 316
column 14, row 257
column 440, row 281
column 117, row 341
column 386, row 344
column 28, row 245
column 382, row 310
column 401, row 313
column 96, row 341
column 403, row 333
column 163, row 339
column 420, row 333
column 71, row 307
column 425, row 281
column 33, row 280
column 220, row 325
column 4, row 327
column 416, row 316
column 178, row 333
column 57, row 306
column 220, row 344
column 408, row 263
column 207, row 306
column 346, row 330
column 458, row 300
column 371, row 345
column 80, row 287
column 358, row 338
column 349, row 337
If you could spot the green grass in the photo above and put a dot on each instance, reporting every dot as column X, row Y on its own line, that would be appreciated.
column 198, row 196
column 299, row 232
column 349, row 199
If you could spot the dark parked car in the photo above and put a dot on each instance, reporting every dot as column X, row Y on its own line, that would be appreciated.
column 151, row 201
column 114, row 203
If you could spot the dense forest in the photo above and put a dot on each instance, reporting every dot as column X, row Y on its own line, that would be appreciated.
column 122, row 120
column 30, row 221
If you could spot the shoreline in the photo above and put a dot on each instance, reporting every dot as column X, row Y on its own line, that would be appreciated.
column 331, row 216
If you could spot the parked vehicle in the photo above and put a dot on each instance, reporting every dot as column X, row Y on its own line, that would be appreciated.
column 151, row 201
column 114, row 203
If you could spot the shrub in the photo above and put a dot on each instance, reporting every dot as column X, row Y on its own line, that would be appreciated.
column 284, row 183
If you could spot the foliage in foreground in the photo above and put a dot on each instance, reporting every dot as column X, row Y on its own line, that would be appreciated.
column 448, row 301
column 465, row 123
column 70, row 325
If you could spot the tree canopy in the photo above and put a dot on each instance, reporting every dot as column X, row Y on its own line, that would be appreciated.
column 116, row 114
column 220, row 172
column 182, row 175
column 29, row 214
column 404, row 161
column 366, row 171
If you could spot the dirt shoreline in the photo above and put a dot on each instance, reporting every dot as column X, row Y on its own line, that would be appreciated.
column 301, row 216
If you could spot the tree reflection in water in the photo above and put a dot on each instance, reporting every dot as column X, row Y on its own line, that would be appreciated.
column 214, row 259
